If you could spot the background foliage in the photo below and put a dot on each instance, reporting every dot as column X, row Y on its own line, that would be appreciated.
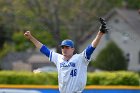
column 52, row 20
column 111, row 58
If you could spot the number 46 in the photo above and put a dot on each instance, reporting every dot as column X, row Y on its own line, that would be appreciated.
column 73, row 72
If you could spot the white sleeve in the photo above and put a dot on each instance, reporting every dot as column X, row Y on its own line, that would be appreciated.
column 54, row 57
column 85, row 60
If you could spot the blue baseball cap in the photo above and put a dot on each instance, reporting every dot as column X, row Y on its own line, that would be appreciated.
column 68, row 43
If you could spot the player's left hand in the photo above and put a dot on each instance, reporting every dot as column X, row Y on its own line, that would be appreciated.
column 103, row 27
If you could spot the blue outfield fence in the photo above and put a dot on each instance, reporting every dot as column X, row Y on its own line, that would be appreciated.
column 54, row 89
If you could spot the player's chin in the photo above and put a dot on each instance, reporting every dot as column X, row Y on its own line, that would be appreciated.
column 64, row 54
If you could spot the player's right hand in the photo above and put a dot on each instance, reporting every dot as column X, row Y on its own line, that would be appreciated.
column 27, row 34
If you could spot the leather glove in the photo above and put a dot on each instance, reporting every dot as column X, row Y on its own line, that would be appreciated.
column 103, row 27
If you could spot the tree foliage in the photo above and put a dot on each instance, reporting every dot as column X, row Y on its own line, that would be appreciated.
column 133, row 4
column 57, row 19
column 111, row 58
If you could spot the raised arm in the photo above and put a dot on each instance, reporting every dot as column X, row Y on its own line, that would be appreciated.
column 89, row 50
column 97, row 39
column 29, row 36
column 43, row 49
column 103, row 29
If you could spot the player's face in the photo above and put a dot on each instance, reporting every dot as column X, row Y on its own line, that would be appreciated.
column 67, row 51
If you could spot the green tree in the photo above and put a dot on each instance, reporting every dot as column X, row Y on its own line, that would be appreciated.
column 111, row 58
column 58, row 18
column 133, row 4
column 76, row 18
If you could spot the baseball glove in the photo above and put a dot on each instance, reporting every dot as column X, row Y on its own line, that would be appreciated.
column 103, row 27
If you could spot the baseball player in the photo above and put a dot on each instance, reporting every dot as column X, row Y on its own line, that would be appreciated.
column 72, row 68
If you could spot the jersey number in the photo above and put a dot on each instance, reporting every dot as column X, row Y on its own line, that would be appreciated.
column 73, row 72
